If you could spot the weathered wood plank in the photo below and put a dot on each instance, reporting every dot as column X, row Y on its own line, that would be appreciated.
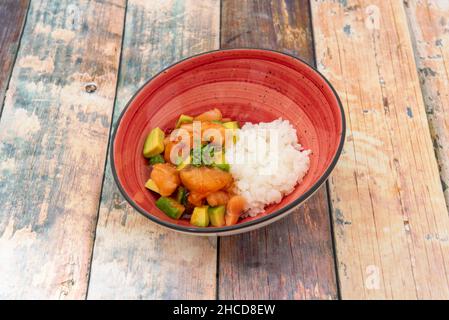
column 292, row 258
column 429, row 25
column 390, row 217
column 133, row 257
column 53, row 140
column 12, row 17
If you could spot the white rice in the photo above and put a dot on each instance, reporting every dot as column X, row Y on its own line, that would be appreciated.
column 273, row 171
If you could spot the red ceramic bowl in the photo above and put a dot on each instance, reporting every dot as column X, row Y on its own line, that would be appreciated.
column 247, row 85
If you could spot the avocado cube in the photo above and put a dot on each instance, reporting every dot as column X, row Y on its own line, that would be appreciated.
column 222, row 166
column 217, row 216
column 220, row 161
column 184, row 163
column 150, row 184
column 154, row 143
column 200, row 216
column 183, row 119
column 231, row 125
column 170, row 207
column 181, row 195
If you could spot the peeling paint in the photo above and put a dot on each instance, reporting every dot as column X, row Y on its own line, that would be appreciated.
column 344, row 3
column 161, row 33
column 427, row 72
column 372, row 20
column 7, row 165
column 340, row 219
column 46, row 65
column 55, row 160
column 19, row 123
column 63, row 34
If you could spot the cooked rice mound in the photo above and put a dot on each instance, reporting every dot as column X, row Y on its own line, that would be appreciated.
column 267, row 162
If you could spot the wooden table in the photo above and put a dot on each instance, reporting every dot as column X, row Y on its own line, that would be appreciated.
column 378, row 229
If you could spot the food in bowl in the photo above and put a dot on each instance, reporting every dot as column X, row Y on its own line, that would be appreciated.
column 213, row 172
column 249, row 86
column 282, row 164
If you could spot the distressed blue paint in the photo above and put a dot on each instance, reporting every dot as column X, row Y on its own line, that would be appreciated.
column 347, row 29
column 340, row 219
column 164, row 34
column 344, row 3
column 55, row 160
column 409, row 112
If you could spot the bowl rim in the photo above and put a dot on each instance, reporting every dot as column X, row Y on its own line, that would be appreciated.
column 240, row 226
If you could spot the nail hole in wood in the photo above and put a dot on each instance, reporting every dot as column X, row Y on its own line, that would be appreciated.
column 90, row 87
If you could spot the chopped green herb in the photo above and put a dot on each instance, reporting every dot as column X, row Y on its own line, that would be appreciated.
column 156, row 159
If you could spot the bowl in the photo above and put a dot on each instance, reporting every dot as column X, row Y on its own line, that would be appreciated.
column 249, row 85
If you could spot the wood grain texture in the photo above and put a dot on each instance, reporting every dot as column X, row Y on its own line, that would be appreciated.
column 53, row 138
column 12, row 17
column 293, row 258
column 134, row 257
column 389, row 213
column 429, row 25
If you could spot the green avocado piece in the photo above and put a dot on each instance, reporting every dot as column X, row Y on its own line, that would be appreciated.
column 181, row 195
column 150, row 184
column 157, row 159
column 183, row 119
column 217, row 216
column 154, row 143
column 220, row 161
column 184, row 163
column 200, row 216
column 231, row 125
column 222, row 166
column 170, row 207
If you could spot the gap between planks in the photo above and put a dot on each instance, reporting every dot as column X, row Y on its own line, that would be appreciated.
column 111, row 128
column 10, row 39
column 429, row 26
